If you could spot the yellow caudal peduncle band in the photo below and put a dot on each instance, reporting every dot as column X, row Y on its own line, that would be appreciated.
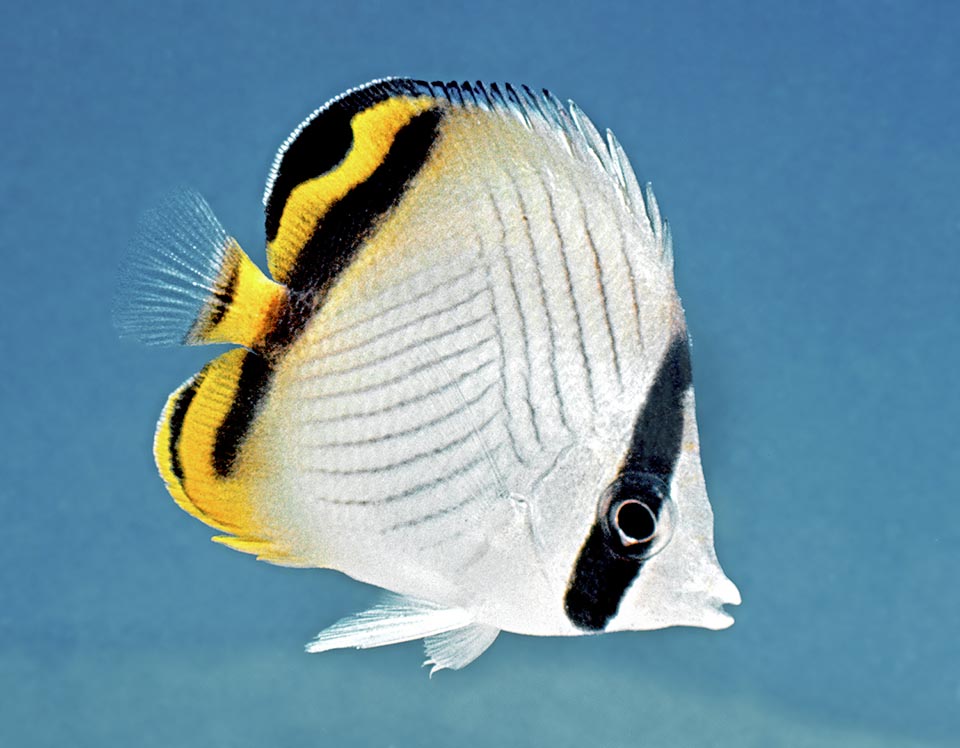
column 374, row 130
column 243, row 306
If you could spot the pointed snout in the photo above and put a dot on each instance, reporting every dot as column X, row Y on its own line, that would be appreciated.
column 722, row 592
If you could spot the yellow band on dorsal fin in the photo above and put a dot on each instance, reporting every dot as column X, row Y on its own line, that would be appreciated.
column 374, row 130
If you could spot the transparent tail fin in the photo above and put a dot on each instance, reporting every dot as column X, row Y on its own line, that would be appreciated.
column 187, row 282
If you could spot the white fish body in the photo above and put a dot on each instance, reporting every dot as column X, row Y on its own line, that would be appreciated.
column 472, row 358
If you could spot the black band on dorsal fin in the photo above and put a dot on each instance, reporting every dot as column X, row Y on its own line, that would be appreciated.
column 340, row 173
column 321, row 143
column 339, row 234
column 350, row 221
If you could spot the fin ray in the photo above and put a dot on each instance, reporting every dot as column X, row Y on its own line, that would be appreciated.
column 396, row 619
column 189, row 436
column 187, row 282
column 453, row 650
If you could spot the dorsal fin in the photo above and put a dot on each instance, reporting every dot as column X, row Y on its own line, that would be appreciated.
column 349, row 163
column 339, row 173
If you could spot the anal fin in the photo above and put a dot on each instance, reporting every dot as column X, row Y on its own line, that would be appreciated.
column 397, row 619
column 458, row 648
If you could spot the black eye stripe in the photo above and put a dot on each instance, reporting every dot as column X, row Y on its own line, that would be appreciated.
column 658, row 432
column 601, row 576
column 599, row 581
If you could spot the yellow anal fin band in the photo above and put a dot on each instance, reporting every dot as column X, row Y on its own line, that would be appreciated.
column 243, row 305
column 374, row 130
column 185, row 446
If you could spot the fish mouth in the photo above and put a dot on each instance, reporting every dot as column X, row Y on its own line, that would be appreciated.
column 722, row 593
column 726, row 592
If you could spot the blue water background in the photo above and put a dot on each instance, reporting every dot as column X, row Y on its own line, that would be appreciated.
column 807, row 156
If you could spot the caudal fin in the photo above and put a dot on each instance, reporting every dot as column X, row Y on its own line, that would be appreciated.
column 187, row 282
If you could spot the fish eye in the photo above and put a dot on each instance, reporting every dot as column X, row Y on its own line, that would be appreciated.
column 637, row 515
column 635, row 521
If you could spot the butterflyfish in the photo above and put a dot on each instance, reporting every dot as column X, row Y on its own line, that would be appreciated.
column 465, row 378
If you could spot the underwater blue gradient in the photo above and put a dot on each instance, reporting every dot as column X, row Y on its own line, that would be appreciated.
column 808, row 158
